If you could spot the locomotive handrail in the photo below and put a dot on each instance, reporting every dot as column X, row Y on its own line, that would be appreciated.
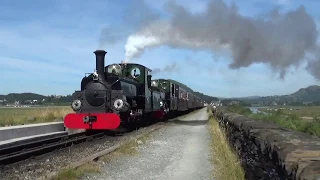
column 114, row 82
column 85, row 74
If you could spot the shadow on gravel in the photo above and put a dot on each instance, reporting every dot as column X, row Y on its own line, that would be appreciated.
column 190, row 122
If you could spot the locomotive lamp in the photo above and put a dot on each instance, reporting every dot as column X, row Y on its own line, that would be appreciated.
column 118, row 104
column 95, row 75
column 161, row 104
column 154, row 83
column 76, row 105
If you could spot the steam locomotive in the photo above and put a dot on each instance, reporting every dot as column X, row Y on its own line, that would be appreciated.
column 123, row 95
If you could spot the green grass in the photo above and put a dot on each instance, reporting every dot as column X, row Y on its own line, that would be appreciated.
column 18, row 116
column 300, row 111
column 280, row 117
column 74, row 174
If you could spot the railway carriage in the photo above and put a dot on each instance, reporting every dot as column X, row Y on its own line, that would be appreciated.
column 179, row 100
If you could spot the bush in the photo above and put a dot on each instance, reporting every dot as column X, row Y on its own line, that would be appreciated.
column 239, row 109
column 290, row 121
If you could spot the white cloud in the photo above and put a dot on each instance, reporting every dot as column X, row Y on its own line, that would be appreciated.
column 37, row 66
column 38, row 77
column 72, row 49
column 255, row 80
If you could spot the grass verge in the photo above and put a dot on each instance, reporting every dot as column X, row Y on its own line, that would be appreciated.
column 226, row 165
column 20, row 116
column 129, row 149
column 74, row 174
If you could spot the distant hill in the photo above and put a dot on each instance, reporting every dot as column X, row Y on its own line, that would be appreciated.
column 234, row 101
column 32, row 98
column 28, row 98
column 181, row 85
column 12, row 97
column 206, row 98
column 309, row 95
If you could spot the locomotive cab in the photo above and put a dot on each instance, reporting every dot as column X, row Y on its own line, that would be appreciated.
column 132, row 76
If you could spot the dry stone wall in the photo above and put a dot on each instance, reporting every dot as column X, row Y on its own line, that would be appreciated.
column 268, row 151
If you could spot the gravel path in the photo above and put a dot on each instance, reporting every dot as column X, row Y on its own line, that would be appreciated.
column 179, row 151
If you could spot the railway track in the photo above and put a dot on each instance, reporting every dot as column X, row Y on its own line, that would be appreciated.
column 13, row 154
column 16, row 153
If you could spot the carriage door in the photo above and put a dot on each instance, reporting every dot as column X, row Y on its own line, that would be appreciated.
column 176, row 91
column 177, row 94
column 173, row 98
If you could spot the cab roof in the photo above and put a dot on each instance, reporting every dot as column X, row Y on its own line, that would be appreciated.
column 137, row 65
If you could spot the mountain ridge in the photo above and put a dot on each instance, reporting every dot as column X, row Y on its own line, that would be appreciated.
column 307, row 95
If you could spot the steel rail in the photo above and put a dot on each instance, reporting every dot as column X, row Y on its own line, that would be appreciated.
column 24, row 151
column 17, row 148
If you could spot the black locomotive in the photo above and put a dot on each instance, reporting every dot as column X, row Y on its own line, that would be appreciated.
column 124, row 95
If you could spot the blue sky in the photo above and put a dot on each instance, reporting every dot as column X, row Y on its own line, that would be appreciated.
column 46, row 47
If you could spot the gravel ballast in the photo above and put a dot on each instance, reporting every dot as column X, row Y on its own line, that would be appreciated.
column 45, row 164
column 179, row 151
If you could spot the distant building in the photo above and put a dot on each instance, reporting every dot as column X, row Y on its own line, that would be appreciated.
column 307, row 103
column 31, row 101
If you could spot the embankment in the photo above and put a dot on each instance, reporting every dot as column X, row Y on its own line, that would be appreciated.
column 268, row 151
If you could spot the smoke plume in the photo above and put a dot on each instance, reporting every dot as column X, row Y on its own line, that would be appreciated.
column 138, row 15
column 279, row 39
column 168, row 68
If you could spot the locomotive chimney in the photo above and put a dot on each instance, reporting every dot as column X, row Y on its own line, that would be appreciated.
column 100, row 54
